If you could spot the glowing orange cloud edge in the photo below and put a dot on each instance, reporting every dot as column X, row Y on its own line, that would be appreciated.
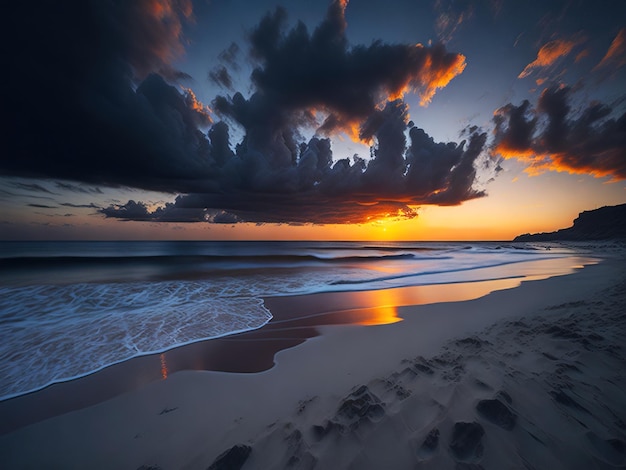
column 549, row 54
column 540, row 163
column 194, row 103
column 616, row 52
column 426, row 83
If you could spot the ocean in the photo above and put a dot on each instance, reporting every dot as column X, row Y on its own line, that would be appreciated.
column 68, row 309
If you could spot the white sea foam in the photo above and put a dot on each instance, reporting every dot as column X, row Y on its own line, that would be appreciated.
column 73, row 330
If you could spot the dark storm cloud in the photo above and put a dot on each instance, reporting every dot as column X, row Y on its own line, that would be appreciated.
column 302, row 72
column 230, row 56
column 31, row 187
column 221, row 76
column 515, row 127
column 146, row 33
column 221, row 73
column 131, row 210
column 80, row 206
column 171, row 212
column 41, row 206
column 88, row 108
column 400, row 176
column 554, row 137
column 77, row 188
column 110, row 115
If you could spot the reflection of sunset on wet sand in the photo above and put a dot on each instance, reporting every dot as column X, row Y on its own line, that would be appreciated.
column 163, row 366
column 380, row 307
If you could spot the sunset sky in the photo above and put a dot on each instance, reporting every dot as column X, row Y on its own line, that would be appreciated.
column 232, row 119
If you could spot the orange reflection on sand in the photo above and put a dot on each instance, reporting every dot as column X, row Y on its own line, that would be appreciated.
column 459, row 292
column 163, row 366
column 382, row 308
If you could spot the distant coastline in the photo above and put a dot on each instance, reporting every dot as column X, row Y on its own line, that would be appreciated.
column 605, row 223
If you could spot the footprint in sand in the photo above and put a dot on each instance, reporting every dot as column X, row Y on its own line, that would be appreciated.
column 430, row 444
column 497, row 413
column 466, row 443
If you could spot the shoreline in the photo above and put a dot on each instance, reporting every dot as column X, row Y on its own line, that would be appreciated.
column 201, row 414
column 254, row 351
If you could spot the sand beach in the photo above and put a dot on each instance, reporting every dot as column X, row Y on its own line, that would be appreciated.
column 525, row 377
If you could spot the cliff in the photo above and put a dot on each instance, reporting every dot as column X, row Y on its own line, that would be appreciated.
column 600, row 224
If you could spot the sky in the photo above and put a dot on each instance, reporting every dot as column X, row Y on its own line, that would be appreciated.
column 326, row 120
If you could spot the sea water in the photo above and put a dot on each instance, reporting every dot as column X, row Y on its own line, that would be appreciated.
column 68, row 309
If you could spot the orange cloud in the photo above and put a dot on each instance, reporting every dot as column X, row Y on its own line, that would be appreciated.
column 581, row 55
column 437, row 68
column 437, row 73
column 450, row 16
column 538, row 163
column 548, row 55
column 203, row 112
column 508, row 152
column 598, row 168
column 563, row 163
column 617, row 51
column 553, row 138
column 434, row 75
column 157, row 29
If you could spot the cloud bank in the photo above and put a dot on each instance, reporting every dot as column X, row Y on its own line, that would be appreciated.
column 553, row 137
column 83, row 102
column 115, row 115
column 312, row 188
